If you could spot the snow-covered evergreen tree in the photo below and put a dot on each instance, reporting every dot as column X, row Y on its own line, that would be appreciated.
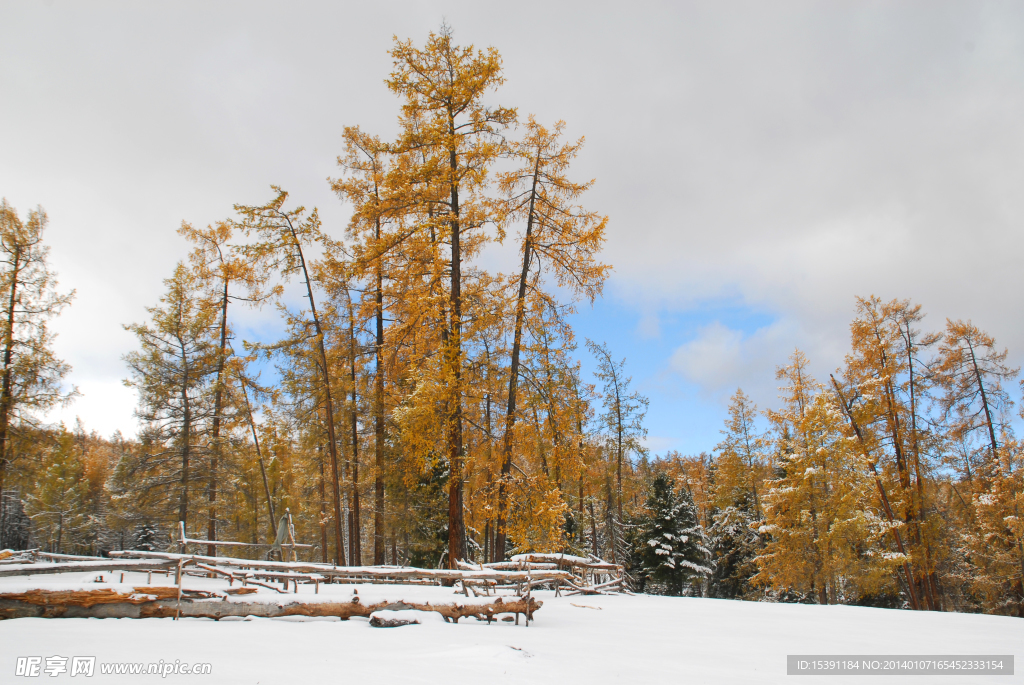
column 672, row 546
column 735, row 546
column 15, row 525
column 147, row 537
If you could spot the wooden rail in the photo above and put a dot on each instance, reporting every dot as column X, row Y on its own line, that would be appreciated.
column 366, row 573
column 86, row 566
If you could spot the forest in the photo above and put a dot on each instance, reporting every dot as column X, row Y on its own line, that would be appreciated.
column 415, row 408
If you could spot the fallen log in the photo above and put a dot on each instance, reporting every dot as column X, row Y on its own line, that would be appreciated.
column 86, row 566
column 561, row 560
column 609, row 584
column 223, row 543
column 162, row 602
column 64, row 557
column 517, row 566
column 55, row 603
column 554, row 557
column 278, row 575
column 365, row 573
column 601, row 589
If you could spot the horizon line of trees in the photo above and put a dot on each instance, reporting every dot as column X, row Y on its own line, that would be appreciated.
column 898, row 482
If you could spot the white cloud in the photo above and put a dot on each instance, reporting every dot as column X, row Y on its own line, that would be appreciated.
column 783, row 157
column 721, row 359
column 713, row 359
column 659, row 443
column 105, row 406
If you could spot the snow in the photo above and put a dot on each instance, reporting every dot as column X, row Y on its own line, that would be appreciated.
column 592, row 639
column 548, row 556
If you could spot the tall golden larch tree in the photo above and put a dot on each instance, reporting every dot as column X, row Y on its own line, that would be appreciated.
column 879, row 371
column 226, row 277
column 825, row 539
column 743, row 457
column 282, row 236
column 366, row 163
column 171, row 371
column 971, row 371
column 32, row 376
column 560, row 237
column 451, row 139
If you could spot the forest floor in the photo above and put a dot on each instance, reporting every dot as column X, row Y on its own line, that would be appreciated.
column 591, row 639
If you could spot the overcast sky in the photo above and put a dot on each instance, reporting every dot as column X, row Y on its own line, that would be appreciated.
column 761, row 163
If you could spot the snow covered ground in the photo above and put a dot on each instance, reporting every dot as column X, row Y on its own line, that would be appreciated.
column 603, row 639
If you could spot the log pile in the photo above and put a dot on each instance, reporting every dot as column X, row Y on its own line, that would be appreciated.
column 575, row 575
column 93, row 564
column 175, row 601
column 357, row 574
column 10, row 556
column 164, row 602
column 588, row 576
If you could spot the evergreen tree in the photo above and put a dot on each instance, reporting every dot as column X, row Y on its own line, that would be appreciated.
column 673, row 547
column 735, row 546
column 31, row 379
column 172, row 371
column 58, row 507
column 742, row 463
column 622, row 420
column 146, row 537
column 15, row 525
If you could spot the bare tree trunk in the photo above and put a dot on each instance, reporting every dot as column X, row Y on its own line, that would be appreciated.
column 350, row 490
column 618, row 461
column 579, row 446
column 263, row 468
column 6, row 395
column 540, row 443
column 933, row 595
column 378, row 421
column 513, row 379
column 593, row 528
column 984, row 404
column 218, row 395
column 487, row 541
column 610, row 515
column 488, row 528
column 332, row 442
column 323, row 504
column 579, row 507
column 110, row 604
column 186, row 438
column 911, row 585
column 355, row 535
column 456, row 523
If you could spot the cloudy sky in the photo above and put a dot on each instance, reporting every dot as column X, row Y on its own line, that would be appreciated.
column 761, row 163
